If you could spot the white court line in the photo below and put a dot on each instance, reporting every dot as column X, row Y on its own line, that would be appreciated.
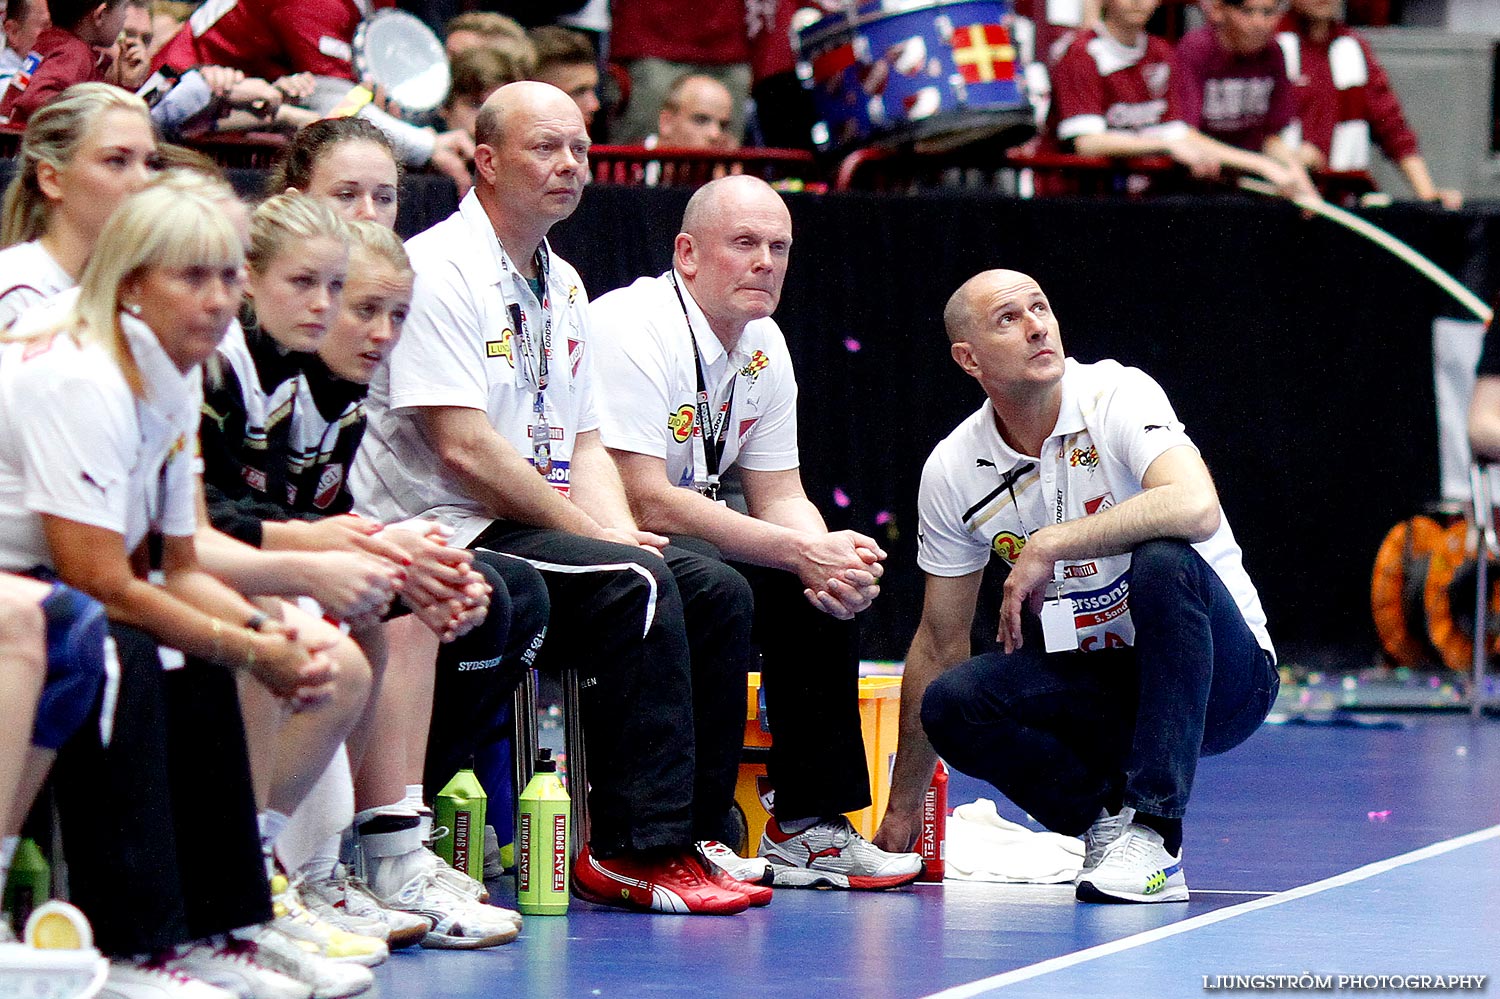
column 1209, row 918
column 1228, row 891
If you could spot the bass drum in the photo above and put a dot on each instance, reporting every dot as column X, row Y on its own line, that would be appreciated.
column 937, row 73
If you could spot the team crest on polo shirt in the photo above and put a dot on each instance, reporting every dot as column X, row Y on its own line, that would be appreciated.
column 681, row 423
column 328, row 485
column 756, row 365
column 1008, row 546
column 572, row 293
column 501, row 347
column 1087, row 457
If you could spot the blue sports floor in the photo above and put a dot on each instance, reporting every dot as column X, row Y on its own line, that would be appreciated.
column 1356, row 850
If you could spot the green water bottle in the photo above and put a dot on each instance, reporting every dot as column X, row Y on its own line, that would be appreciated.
column 459, row 809
column 29, row 884
column 543, row 840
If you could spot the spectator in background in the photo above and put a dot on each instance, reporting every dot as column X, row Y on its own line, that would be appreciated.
column 1112, row 96
column 1230, row 82
column 484, row 28
column 1344, row 99
column 24, row 21
column 658, row 41
column 281, row 39
column 784, row 113
column 132, row 52
column 696, row 114
column 69, row 54
column 567, row 60
column 479, row 71
column 167, row 16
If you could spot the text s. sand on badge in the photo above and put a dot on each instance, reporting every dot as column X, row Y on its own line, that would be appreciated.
column 1058, row 631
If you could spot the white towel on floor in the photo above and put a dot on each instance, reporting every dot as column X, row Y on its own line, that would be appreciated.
column 982, row 846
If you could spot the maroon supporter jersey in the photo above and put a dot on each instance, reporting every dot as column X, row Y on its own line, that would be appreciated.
column 684, row 30
column 66, row 60
column 269, row 38
column 1240, row 100
column 1323, row 103
column 1100, row 85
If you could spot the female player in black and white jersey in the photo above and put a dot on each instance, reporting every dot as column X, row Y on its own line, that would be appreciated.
column 434, row 720
column 270, row 482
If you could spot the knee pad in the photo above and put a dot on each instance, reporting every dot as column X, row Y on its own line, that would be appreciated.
column 76, row 632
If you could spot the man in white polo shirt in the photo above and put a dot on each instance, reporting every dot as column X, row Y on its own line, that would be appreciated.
column 484, row 418
column 695, row 377
column 1133, row 641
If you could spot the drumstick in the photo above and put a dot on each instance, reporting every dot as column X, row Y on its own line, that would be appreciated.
column 1384, row 240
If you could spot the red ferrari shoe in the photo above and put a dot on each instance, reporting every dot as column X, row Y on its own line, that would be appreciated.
column 673, row 881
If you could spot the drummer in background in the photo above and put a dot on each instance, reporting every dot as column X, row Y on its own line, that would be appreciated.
column 1112, row 95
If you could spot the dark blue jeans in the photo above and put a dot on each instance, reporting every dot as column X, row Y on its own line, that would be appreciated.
column 1062, row 734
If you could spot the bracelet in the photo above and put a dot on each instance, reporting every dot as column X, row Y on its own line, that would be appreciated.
column 258, row 621
column 218, row 640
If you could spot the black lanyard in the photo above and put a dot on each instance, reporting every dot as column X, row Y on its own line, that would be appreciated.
column 541, row 429
column 540, row 366
column 715, row 432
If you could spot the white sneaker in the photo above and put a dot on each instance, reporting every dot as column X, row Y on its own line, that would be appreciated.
column 454, row 878
column 1136, row 867
column 1105, row 830
column 346, row 902
column 231, row 965
column 298, row 960
column 459, row 921
column 141, row 979
column 751, row 870
column 445, row 872
column 294, row 920
column 830, row 854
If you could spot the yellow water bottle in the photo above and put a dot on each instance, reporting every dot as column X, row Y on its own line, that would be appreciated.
column 458, row 816
column 543, row 841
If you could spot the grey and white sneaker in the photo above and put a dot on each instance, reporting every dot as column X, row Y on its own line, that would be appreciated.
column 459, row 921
column 231, row 965
column 347, row 902
column 298, row 960
column 1105, row 830
column 146, row 979
column 751, row 870
column 1136, row 867
column 454, row 878
column 830, row 854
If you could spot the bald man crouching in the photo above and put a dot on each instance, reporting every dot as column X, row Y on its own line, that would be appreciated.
column 695, row 378
column 1133, row 641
